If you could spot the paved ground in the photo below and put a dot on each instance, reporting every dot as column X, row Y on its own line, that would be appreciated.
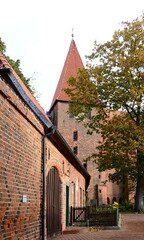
column 132, row 229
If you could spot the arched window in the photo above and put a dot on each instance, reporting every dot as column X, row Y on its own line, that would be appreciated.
column 108, row 201
column 114, row 200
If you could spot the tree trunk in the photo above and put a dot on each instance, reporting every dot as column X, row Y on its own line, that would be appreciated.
column 125, row 189
column 139, row 194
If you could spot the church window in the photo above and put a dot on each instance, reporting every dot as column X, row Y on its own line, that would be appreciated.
column 75, row 150
column 108, row 200
column 75, row 135
column 114, row 200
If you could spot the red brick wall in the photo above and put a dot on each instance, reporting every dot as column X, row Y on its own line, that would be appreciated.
column 20, row 169
column 67, row 174
column 86, row 146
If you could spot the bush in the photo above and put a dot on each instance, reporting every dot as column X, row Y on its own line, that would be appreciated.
column 126, row 207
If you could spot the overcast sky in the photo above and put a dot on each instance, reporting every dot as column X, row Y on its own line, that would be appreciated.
column 38, row 32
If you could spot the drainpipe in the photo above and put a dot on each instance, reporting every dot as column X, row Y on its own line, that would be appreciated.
column 44, row 180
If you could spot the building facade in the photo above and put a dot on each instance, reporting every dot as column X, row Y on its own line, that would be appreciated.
column 40, row 177
column 101, row 190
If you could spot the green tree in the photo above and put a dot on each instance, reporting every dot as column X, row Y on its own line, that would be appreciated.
column 114, row 80
column 16, row 66
column 121, row 141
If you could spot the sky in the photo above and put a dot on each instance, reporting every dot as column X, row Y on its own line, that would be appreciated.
column 38, row 32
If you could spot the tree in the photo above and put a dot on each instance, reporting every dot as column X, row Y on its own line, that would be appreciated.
column 114, row 80
column 118, row 150
column 16, row 66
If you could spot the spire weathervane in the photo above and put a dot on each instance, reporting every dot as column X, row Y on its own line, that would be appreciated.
column 72, row 33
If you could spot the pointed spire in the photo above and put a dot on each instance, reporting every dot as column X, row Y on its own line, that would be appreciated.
column 72, row 64
column 72, row 33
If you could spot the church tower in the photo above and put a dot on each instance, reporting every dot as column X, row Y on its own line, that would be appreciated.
column 101, row 190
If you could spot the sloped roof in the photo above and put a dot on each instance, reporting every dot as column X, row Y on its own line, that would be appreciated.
column 5, row 64
column 72, row 63
column 18, row 86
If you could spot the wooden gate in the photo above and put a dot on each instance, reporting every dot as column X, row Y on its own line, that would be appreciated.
column 92, row 217
column 53, row 203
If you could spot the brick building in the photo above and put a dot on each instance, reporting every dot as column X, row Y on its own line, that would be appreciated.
column 101, row 190
column 40, row 176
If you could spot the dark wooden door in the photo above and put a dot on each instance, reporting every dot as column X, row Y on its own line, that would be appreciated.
column 53, row 203
column 67, row 206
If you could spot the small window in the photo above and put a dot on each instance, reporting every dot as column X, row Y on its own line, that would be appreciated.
column 75, row 135
column 75, row 150
column 99, row 176
column 114, row 200
column 100, row 190
column 108, row 201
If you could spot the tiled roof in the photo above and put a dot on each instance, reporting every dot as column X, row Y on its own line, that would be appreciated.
column 4, row 63
column 72, row 64
column 56, row 137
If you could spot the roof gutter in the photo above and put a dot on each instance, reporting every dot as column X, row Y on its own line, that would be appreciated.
column 50, row 131
column 21, row 93
column 6, row 72
column 69, row 154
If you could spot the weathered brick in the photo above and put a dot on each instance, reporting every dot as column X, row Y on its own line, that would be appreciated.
column 21, row 170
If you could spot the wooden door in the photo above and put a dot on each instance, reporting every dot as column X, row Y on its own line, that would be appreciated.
column 53, row 203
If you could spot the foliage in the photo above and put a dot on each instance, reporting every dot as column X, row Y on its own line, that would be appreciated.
column 87, row 199
column 16, row 66
column 2, row 46
column 121, row 138
column 126, row 207
column 114, row 80
column 103, row 210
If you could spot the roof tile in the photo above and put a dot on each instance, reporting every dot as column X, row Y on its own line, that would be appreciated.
column 5, row 64
column 72, row 64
